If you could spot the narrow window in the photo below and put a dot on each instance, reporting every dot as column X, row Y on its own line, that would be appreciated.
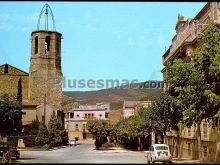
column 77, row 126
column 189, row 149
column 205, row 130
column 36, row 44
column 47, row 44
column 84, row 126
column 106, row 115
column 205, row 151
column 71, row 115
column 57, row 45
column 189, row 131
column 77, row 115
column 6, row 68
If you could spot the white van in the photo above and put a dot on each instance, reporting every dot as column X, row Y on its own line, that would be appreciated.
column 159, row 153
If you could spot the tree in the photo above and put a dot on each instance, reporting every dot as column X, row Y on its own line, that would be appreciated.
column 42, row 136
column 32, row 128
column 100, row 129
column 10, row 115
column 134, row 129
column 57, row 135
column 18, row 119
column 165, row 116
column 196, row 82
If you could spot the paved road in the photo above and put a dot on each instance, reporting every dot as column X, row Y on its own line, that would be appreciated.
column 85, row 152
column 82, row 153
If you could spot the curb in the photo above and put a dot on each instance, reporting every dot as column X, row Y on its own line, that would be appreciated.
column 40, row 149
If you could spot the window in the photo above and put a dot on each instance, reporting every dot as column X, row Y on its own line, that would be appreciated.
column 77, row 115
column 43, row 119
column 86, row 115
column 92, row 115
column 6, row 68
column 57, row 45
column 100, row 115
column 205, row 151
column 71, row 115
column 205, row 130
column 151, row 148
column 77, row 126
column 189, row 149
column 189, row 131
column 161, row 148
column 106, row 115
column 47, row 44
column 89, row 115
column 36, row 45
column 84, row 126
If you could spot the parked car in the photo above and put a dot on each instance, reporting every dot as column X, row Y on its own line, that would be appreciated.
column 72, row 142
column 6, row 146
column 159, row 153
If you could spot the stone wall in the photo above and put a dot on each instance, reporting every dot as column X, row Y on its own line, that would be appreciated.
column 45, row 80
column 115, row 116
column 9, row 81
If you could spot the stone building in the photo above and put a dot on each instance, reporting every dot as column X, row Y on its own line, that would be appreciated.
column 131, row 107
column 42, row 86
column 183, row 43
column 115, row 116
column 76, row 119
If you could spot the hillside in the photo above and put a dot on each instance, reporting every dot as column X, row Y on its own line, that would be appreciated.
column 113, row 95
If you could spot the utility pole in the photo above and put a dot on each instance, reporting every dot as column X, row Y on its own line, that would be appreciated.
column 45, row 108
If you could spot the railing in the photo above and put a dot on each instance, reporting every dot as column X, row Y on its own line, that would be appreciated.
column 188, row 33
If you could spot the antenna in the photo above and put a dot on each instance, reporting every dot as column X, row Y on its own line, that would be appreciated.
column 46, row 10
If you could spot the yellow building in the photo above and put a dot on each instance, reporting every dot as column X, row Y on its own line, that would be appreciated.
column 183, row 43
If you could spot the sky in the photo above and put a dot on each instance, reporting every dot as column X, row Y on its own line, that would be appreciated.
column 101, row 40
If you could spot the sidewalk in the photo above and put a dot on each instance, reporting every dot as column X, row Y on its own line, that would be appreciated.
column 185, row 161
column 40, row 148
column 31, row 149
column 110, row 148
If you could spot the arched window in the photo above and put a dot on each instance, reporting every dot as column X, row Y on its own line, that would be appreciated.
column 36, row 44
column 47, row 44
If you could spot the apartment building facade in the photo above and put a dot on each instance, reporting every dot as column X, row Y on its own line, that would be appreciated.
column 183, row 43
column 76, row 119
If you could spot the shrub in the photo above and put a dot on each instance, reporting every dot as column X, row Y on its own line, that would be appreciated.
column 42, row 136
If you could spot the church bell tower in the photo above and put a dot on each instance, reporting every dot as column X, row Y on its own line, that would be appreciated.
column 45, row 72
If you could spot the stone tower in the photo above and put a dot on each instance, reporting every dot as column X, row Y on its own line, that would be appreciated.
column 45, row 73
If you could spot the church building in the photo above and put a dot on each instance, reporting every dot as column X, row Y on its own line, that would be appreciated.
column 42, row 85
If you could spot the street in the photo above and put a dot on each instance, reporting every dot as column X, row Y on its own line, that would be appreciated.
column 84, row 152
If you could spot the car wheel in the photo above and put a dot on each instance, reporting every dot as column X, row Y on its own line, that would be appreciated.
column 152, row 161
